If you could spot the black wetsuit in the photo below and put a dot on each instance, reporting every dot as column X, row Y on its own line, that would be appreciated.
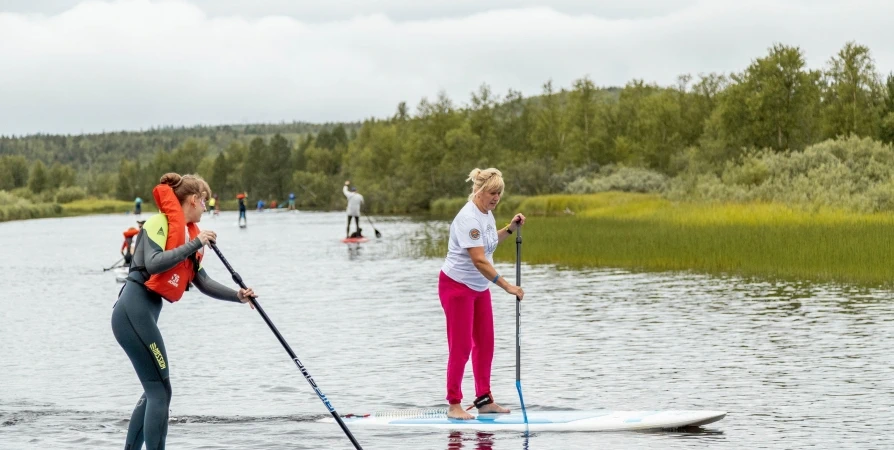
column 134, row 323
column 242, row 211
column 128, row 241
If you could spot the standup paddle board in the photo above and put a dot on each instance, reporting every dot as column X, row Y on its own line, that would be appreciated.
column 599, row 420
column 354, row 240
column 121, row 274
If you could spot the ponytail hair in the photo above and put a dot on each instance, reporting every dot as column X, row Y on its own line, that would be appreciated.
column 186, row 185
column 487, row 180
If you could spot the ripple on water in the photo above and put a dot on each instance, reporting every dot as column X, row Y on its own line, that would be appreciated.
column 795, row 364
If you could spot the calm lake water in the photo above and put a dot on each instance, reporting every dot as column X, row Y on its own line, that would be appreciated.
column 795, row 365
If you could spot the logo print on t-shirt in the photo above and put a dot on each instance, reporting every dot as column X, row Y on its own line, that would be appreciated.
column 474, row 234
column 491, row 239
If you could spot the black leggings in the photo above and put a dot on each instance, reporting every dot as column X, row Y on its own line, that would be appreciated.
column 134, row 325
column 356, row 224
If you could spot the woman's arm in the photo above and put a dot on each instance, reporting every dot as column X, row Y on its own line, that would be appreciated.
column 516, row 221
column 503, row 233
column 214, row 289
column 157, row 260
column 488, row 271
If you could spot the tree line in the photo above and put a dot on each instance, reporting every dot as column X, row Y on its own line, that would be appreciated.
column 542, row 144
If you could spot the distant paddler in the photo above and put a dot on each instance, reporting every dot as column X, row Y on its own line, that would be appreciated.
column 291, row 201
column 243, row 221
column 212, row 205
column 355, row 201
column 463, row 285
column 127, row 248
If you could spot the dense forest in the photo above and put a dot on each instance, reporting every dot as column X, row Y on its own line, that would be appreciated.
column 776, row 131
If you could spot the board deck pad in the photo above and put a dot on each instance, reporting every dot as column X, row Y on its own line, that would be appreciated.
column 597, row 420
column 354, row 240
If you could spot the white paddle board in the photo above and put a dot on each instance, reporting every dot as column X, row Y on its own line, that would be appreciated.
column 121, row 274
column 599, row 420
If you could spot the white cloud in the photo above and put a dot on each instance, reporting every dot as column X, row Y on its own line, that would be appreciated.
column 140, row 63
column 399, row 10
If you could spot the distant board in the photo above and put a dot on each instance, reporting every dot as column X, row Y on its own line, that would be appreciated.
column 121, row 274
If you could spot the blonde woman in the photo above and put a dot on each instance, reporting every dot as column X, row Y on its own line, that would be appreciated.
column 463, row 285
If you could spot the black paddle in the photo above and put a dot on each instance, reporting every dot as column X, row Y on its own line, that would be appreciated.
column 308, row 191
column 313, row 384
column 378, row 235
column 113, row 265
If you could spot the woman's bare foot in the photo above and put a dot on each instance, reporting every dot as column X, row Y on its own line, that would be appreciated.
column 456, row 411
column 492, row 408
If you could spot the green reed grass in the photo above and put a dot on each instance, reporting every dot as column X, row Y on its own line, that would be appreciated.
column 646, row 232
column 29, row 211
column 102, row 206
column 13, row 207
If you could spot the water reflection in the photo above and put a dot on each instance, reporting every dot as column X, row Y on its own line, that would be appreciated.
column 478, row 440
column 687, row 432
column 353, row 251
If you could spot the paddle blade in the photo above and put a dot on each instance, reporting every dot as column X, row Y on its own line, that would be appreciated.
column 378, row 235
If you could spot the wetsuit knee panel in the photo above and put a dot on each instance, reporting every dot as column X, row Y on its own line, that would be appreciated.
column 159, row 391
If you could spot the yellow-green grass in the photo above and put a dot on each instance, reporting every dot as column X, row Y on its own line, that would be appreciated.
column 101, row 206
column 25, row 210
column 646, row 232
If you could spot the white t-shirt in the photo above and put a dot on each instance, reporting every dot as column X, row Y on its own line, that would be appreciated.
column 470, row 228
column 354, row 202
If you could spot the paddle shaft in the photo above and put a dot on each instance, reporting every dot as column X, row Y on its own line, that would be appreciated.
column 113, row 265
column 308, row 191
column 518, row 241
column 313, row 384
column 521, row 399
column 374, row 226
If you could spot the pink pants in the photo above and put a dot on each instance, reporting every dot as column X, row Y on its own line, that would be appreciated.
column 470, row 329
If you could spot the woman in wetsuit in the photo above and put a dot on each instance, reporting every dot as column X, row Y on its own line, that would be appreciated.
column 167, row 258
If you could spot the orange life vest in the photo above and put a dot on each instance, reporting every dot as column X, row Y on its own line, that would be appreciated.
column 128, row 239
column 171, row 283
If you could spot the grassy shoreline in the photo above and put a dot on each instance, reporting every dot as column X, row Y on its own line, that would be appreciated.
column 24, row 210
column 646, row 232
column 649, row 233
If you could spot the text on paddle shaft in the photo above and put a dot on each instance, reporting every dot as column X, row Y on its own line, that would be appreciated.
column 313, row 384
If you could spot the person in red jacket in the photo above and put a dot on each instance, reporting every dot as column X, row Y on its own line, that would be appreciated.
column 129, row 242
column 167, row 258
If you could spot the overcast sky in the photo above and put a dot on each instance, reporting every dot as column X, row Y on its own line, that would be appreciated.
column 69, row 66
